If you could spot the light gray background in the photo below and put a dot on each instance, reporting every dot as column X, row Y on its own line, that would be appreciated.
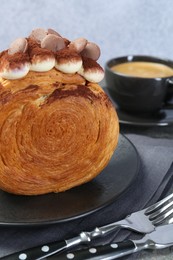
column 120, row 27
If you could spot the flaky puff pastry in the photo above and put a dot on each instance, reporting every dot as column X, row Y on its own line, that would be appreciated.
column 56, row 132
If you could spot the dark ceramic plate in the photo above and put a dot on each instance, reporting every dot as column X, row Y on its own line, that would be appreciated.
column 163, row 117
column 77, row 202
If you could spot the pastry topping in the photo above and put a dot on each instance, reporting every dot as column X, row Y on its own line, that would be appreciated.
column 41, row 60
column 19, row 45
column 42, row 65
column 45, row 49
column 51, row 31
column 16, row 73
column 68, row 61
column 67, row 42
column 91, row 70
column 12, row 61
column 91, row 51
column 79, row 90
column 42, row 53
column 78, row 45
column 38, row 34
column 14, row 66
column 32, row 44
column 53, row 42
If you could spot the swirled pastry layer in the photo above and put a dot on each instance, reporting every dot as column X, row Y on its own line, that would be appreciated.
column 57, row 131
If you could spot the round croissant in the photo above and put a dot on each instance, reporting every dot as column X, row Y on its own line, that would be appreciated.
column 56, row 132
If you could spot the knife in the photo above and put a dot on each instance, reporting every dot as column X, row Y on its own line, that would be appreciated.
column 160, row 238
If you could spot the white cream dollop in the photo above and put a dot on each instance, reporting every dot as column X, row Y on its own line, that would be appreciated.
column 69, row 66
column 42, row 65
column 93, row 75
column 16, row 73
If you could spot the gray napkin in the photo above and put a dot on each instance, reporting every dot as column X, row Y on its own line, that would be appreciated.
column 153, row 180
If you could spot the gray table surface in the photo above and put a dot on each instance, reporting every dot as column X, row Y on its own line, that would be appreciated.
column 155, row 132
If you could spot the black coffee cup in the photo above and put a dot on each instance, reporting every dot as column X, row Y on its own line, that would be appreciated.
column 135, row 93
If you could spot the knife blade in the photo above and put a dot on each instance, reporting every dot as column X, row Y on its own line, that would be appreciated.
column 160, row 238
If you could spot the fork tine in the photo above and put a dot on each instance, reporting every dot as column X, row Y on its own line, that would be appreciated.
column 160, row 211
column 160, row 219
column 157, row 205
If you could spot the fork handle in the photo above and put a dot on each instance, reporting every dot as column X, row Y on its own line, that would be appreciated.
column 111, row 251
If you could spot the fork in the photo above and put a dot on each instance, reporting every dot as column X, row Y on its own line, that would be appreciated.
column 143, row 221
column 161, row 237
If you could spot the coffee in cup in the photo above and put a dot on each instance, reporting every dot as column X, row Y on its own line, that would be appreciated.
column 143, row 69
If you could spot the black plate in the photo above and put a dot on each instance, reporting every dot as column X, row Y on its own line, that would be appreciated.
column 79, row 201
column 163, row 117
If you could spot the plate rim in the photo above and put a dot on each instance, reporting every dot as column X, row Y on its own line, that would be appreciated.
column 86, row 213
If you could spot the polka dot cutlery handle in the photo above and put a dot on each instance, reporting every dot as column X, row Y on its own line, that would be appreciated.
column 39, row 252
column 43, row 251
column 111, row 251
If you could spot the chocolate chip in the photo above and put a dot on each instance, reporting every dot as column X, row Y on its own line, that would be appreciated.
column 67, row 42
column 78, row 45
column 51, row 31
column 38, row 34
column 91, row 51
column 53, row 43
column 19, row 45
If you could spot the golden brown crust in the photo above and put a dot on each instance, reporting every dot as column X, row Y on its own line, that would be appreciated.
column 56, row 132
